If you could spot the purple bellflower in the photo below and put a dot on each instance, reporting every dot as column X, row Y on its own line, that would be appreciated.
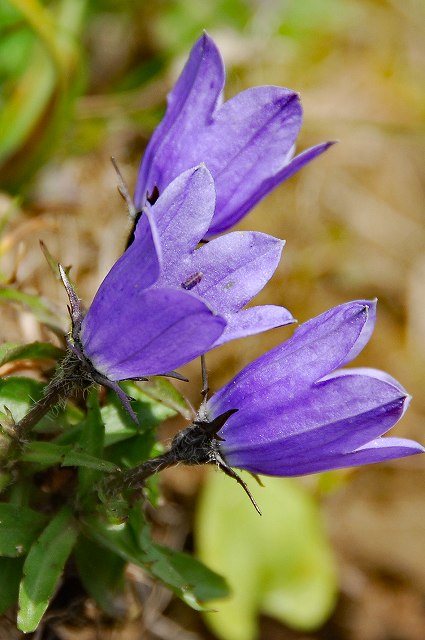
column 293, row 412
column 298, row 413
column 164, row 302
column 247, row 143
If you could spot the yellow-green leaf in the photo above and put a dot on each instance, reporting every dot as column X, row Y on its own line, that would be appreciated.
column 279, row 564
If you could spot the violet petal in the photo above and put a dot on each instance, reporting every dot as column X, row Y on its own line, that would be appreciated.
column 234, row 268
column 137, row 269
column 249, row 322
column 295, row 414
column 344, row 412
column 182, row 215
column 195, row 96
column 316, row 348
column 151, row 332
column 247, row 143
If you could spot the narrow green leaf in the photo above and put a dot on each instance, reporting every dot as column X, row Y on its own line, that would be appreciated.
column 10, row 577
column 44, row 453
column 37, row 102
column 41, row 309
column 186, row 577
column 92, row 439
column 76, row 458
column 43, row 568
column 102, row 574
column 33, row 351
column 19, row 527
column 49, row 453
column 196, row 581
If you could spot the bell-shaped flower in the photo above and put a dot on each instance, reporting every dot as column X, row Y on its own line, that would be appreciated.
column 293, row 411
column 247, row 143
column 164, row 302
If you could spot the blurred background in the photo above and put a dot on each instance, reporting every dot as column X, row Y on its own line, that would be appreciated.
column 338, row 556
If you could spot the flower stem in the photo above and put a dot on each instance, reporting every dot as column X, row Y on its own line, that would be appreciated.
column 136, row 477
column 70, row 375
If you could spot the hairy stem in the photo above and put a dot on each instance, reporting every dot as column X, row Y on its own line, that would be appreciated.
column 135, row 478
column 70, row 375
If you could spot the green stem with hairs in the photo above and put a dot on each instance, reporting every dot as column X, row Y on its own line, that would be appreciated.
column 70, row 375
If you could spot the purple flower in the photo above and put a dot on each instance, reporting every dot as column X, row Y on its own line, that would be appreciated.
column 163, row 303
column 247, row 143
column 293, row 411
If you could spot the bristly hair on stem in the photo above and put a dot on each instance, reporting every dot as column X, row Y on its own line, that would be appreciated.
column 70, row 375
column 73, row 372
column 195, row 445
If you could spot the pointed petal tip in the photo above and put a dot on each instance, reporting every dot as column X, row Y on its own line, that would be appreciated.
column 401, row 446
column 406, row 399
column 202, row 172
column 201, row 168
column 205, row 37
column 358, row 307
column 207, row 46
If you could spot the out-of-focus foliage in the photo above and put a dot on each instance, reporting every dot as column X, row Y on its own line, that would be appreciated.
column 40, row 75
column 354, row 227
column 279, row 564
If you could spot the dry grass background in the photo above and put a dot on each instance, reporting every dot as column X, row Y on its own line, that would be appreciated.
column 354, row 225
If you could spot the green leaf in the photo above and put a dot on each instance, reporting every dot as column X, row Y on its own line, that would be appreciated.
column 201, row 583
column 163, row 390
column 195, row 582
column 176, row 570
column 36, row 104
column 91, row 441
column 18, row 395
column 19, row 527
column 102, row 574
column 133, row 451
column 43, row 568
column 77, row 458
column 279, row 564
column 10, row 577
column 49, row 453
column 34, row 351
column 5, row 348
column 119, row 425
column 41, row 309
